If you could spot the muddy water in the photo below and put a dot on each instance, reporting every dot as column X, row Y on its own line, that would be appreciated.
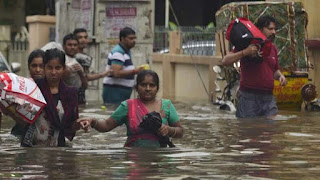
column 216, row 145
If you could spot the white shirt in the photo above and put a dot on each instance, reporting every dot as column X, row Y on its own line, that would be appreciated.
column 74, row 78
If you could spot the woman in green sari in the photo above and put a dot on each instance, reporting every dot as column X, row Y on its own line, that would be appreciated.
column 132, row 112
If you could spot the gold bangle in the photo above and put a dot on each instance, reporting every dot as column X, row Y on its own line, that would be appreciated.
column 174, row 132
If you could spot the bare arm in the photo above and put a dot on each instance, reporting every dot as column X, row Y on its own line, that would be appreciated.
column 76, row 68
column 118, row 72
column 92, row 77
column 84, row 82
column 279, row 76
column 67, row 72
column 234, row 57
column 99, row 125
column 14, row 116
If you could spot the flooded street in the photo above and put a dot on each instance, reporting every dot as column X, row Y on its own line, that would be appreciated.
column 215, row 145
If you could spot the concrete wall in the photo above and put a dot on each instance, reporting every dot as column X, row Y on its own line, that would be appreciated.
column 189, row 86
column 108, row 26
column 39, row 30
column 185, row 78
column 103, row 27
column 179, row 79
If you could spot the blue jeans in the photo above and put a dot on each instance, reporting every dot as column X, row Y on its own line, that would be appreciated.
column 256, row 105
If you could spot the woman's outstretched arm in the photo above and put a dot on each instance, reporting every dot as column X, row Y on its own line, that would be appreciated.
column 99, row 125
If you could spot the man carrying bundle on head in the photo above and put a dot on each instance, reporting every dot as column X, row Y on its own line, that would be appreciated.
column 257, row 77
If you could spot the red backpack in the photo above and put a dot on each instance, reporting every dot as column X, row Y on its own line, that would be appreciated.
column 241, row 33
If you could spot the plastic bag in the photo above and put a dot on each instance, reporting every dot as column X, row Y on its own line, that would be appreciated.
column 21, row 97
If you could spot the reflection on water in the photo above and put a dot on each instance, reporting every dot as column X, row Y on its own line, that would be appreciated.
column 216, row 145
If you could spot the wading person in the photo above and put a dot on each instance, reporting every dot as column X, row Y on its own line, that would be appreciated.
column 57, row 120
column 74, row 73
column 134, row 111
column 257, row 79
column 118, row 86
column 85, row 61
column 35, row 66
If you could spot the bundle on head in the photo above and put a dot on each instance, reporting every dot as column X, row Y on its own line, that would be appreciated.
column 242, row 32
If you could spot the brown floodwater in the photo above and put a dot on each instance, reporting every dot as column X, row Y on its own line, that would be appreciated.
column 216, row 145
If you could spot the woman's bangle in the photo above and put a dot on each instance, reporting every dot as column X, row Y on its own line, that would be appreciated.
column 174, row 132
column 95, row 123
column 134, row 71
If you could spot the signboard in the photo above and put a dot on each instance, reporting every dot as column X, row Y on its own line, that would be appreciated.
column 289, row 96
column 118, row 18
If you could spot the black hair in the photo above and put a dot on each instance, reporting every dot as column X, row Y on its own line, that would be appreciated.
column 69, row 37
column 79, row 30
column 126, row 32
column 35, row 54
column 264, row 21
column 142, row 74
column 55, row 53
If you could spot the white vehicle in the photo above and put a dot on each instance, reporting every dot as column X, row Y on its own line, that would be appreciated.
column 5, row 67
